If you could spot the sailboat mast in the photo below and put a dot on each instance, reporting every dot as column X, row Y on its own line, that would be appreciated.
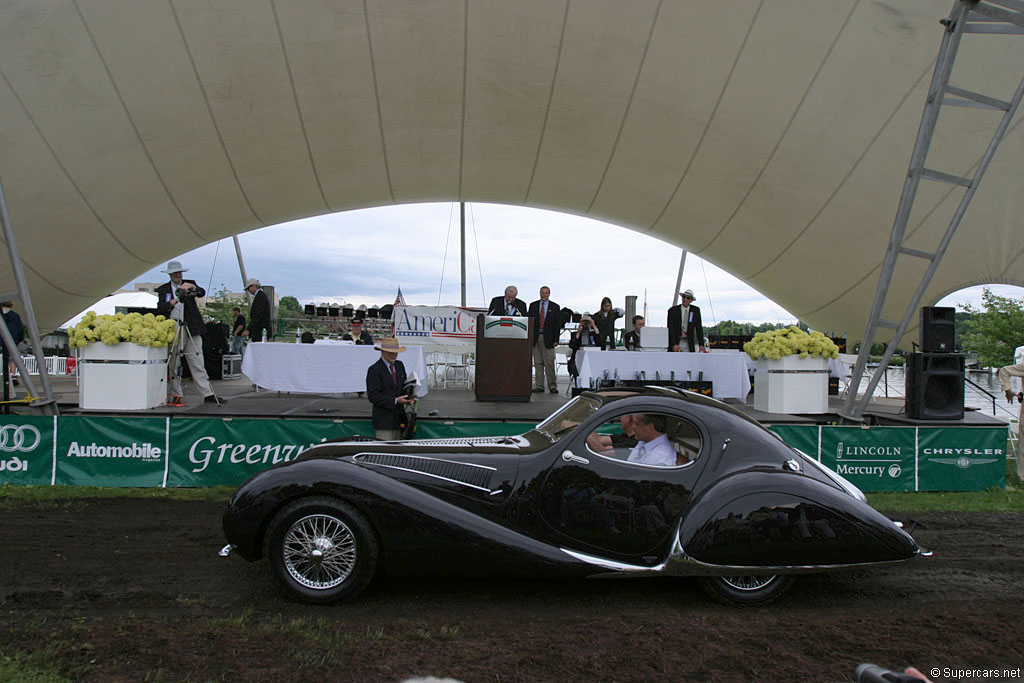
column 462, row 244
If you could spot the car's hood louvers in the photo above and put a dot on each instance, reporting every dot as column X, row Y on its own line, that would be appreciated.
column 477, row 476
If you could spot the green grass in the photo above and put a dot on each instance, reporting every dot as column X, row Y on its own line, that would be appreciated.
column 993, row 500
column 29, row 668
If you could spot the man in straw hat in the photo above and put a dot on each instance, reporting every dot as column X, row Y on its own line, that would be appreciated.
column 385, row 380
column 685, row 330
column 190, row 336
column 259, row 312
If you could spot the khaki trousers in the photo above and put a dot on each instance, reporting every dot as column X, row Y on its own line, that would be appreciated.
column 544, row 364
column 192, row 349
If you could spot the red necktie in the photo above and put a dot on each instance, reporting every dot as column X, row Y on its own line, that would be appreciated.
column 394, row 376
column 543, row 311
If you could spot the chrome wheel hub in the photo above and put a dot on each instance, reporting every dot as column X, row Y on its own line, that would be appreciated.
column 319, row 551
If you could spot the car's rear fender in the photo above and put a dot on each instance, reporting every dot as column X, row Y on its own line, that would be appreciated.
column 775, row 518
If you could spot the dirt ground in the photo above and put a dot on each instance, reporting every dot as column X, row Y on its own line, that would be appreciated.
column 128, row 589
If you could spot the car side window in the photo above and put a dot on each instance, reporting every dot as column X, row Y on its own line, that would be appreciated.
column 670, row 441
column 611, row 440
column 685, row 439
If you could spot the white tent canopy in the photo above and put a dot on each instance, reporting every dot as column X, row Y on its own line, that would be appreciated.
column 769, row 137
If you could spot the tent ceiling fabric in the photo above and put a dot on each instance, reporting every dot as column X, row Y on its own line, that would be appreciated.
column 771, row 138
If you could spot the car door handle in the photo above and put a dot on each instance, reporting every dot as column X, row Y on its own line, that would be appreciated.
column 568, row 456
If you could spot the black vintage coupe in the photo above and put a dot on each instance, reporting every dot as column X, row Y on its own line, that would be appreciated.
column 730, row 503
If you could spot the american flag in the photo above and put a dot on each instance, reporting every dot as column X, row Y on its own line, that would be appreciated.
column 399, row 300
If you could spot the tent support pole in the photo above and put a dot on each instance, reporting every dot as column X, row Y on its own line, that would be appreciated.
column 241, row 267
column 679, row 277
column 47, row 404
column 462, row 246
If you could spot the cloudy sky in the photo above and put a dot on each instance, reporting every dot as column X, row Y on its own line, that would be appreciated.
column 364, row 256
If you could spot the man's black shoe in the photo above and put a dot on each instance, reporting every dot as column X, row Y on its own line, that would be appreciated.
column 212, row 398
column 538, row 390
column 554, row 390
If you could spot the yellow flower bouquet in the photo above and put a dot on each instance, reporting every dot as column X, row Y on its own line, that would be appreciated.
column 791, row 341
column 147, row 330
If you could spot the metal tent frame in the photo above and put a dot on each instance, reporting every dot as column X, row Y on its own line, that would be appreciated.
column 991, row 17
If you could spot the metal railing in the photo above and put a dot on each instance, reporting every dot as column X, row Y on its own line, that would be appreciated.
column 55, row 365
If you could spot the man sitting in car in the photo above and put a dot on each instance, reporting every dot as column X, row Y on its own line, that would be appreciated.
column 607, row 444
column 653, row 447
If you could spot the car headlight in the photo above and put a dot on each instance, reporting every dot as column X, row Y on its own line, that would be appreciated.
column 837, row 478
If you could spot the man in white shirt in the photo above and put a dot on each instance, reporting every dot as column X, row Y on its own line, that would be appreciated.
column 1005, row 374
column 653, row 447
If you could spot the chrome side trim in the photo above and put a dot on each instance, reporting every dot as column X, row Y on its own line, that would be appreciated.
column 612, row 564
column 685, row 565
column 681, row 564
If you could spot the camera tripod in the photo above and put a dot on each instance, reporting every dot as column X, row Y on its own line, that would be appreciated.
column 174, row 370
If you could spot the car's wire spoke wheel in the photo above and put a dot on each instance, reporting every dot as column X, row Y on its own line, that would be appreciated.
column 319, row 551
column 749, row 583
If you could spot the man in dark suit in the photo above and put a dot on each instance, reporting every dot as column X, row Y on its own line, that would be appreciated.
column 508, row 304
column 688, row 335
column 547, row 323
column 385, row 380
column 190, row 340
column 259, row 312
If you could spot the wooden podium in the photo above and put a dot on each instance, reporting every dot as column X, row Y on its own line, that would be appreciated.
column 504, row 358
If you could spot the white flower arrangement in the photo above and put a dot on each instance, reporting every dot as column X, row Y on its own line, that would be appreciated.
column 790, row 341
column 147, row 330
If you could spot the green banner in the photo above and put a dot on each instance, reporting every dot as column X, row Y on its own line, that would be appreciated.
column 119, row 451
column 111, row 451
column 229, row 451
column 26, row 449
column 906, row 458
column 961, row 459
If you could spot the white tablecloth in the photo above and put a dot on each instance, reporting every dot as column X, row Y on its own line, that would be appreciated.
column 726, row 371
column 320, row 368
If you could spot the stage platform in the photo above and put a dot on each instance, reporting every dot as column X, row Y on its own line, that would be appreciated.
column 242, row 399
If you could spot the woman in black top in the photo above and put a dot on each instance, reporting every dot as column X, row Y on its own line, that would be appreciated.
column 605, row 319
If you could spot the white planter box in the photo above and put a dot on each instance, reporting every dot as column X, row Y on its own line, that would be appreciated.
column 792, row 385
column 127, row 376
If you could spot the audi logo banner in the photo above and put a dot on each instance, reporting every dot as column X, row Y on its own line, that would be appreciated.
column 26, row 450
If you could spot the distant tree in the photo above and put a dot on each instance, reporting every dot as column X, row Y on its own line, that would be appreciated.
column 219, row 304
column 289, row 307
column 995, row 331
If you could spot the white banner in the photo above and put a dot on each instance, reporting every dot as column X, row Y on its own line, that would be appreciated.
column 436, row 325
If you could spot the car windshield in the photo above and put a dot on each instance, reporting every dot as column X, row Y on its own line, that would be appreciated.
column 568, row 417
